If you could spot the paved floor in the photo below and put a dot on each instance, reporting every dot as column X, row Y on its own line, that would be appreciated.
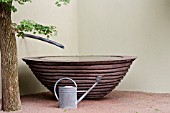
column 115, row 102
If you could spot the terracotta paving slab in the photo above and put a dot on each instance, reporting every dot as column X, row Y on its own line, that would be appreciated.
column 115, row 102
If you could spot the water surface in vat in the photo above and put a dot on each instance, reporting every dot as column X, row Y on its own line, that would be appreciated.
column 81, row 58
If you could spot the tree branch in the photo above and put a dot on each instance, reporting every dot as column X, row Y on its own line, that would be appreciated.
column 45, row 40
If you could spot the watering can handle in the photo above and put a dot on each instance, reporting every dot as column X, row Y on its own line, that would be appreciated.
column 55, row 86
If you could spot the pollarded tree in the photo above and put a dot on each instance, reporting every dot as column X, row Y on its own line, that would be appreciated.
column 9, row 65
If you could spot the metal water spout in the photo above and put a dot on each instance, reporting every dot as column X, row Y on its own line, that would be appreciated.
column 44, row 40
column 68, row 94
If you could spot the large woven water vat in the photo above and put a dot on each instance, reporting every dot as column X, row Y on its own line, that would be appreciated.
column 82, row 69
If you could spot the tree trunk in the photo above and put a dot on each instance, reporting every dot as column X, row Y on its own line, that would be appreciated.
column 9, row 66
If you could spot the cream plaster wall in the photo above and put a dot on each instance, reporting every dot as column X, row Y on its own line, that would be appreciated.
column 130, row 27
column 112, row 27
column 47, row 13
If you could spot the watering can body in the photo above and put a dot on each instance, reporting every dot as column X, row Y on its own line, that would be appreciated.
column 67, row 97
column 68, row 94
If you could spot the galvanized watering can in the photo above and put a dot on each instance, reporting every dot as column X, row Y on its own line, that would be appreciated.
column 68, row 94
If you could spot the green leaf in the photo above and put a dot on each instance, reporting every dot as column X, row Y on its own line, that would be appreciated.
column 157, row 110
column 62, row 2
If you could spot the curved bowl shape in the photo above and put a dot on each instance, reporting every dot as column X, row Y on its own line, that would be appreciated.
column 82, row 69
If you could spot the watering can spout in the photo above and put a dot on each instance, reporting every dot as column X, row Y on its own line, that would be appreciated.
column 98, row 79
